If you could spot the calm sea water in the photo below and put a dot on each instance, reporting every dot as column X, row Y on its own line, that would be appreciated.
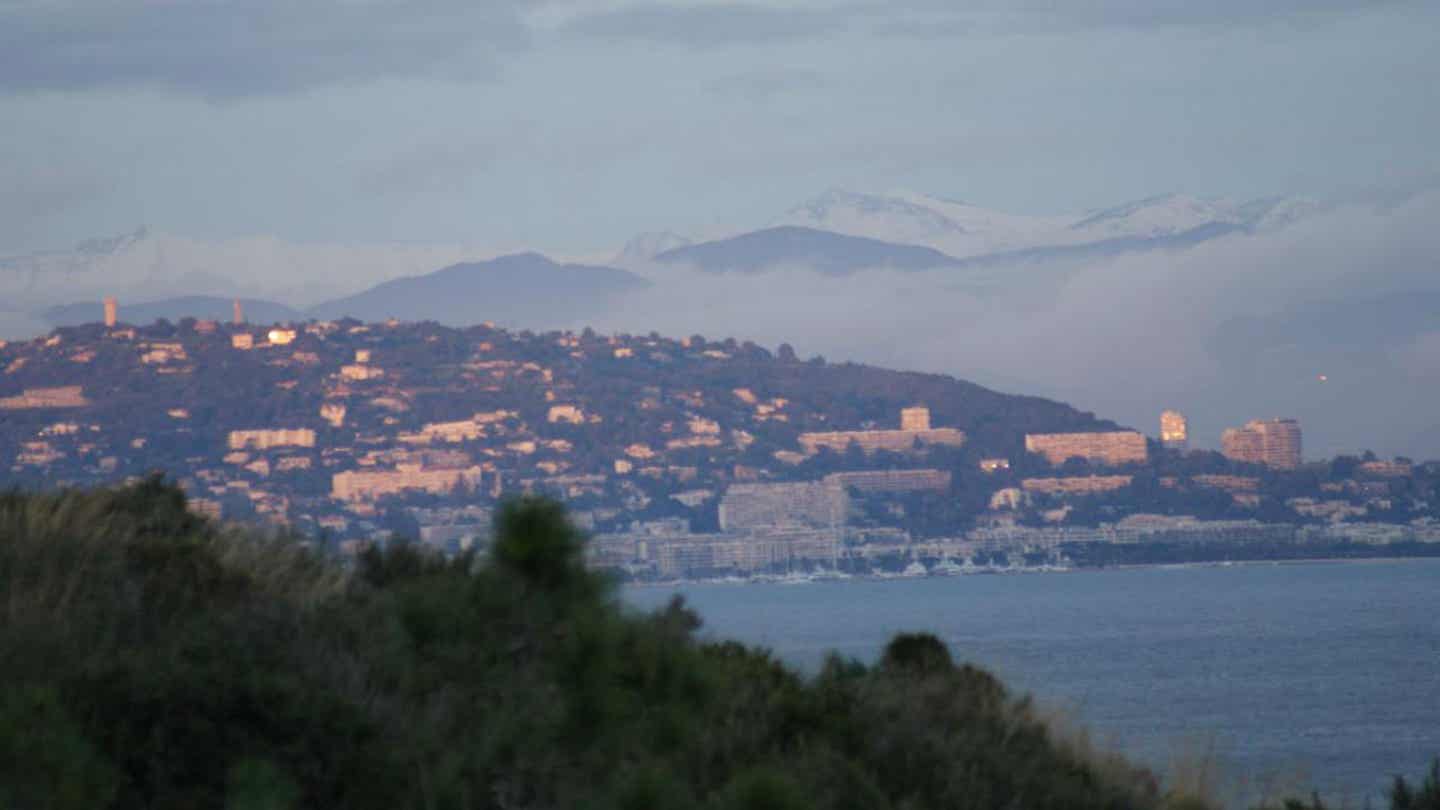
column 1319, row 674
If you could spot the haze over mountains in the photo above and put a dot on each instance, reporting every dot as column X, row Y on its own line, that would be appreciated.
column 836, row 232
column 1226, row 310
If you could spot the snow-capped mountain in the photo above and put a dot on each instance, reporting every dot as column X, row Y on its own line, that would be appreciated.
column 968, row 231
column 955, row 228
column 1156, row 217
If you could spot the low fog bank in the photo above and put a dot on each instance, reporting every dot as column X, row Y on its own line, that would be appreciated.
column 1232, row 329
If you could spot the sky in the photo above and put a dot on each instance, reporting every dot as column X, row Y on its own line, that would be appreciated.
column 570, row 126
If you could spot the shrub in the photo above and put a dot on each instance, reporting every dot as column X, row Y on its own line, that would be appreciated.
column 152, row 659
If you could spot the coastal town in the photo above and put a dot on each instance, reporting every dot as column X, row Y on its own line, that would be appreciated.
column 681, row 458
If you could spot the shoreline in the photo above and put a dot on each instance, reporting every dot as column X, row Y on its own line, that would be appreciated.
column 828, row 579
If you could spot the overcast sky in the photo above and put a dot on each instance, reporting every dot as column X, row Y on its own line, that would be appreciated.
column 571, row 126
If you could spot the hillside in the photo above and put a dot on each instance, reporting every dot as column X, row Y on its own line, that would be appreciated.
column 619, row 423
column 350, row 431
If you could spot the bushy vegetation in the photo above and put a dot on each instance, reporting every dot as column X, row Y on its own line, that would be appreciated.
column 151, row 659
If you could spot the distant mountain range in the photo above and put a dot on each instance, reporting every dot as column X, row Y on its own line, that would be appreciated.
column 823, row 251
column 525, row 289
column 836, row 233
column 840, row 232
column 967, row 231
column 147, row 265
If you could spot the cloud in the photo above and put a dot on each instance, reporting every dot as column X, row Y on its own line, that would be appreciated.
column 1420, row 357
column 1130, row 336
column 760, row 86
column 234, row 48
column 704, row 24
column 940, row 18
column 710, row 25
column 222, row 49
column 434, row 168
column 34, row 193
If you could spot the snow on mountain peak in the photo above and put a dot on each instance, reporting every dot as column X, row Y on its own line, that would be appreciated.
column 847, row 212
column 1165, row 215
column 1274, row 213
column 962, row 229
column 958, row 229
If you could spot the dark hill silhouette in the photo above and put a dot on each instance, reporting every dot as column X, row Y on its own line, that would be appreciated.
column 522, row 289
column 827, row 252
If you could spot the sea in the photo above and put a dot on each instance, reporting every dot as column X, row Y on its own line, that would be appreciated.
column 1281, row 677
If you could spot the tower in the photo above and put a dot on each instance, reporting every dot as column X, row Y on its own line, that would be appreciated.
column 1174, row 431
column 1280, row 442
column 111, row 311
column 239, row 312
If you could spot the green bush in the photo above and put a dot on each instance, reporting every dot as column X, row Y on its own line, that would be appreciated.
column 154, row 660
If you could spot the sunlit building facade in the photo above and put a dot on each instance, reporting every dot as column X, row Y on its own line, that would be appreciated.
column 1174, row 431
column 1272, row 442
column 1114, row 447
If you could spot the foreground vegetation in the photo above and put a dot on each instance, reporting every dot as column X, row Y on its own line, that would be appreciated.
column 151, row 659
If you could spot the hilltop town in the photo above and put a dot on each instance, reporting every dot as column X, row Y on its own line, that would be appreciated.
column 682, row 457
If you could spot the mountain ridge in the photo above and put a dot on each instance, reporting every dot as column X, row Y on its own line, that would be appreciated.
column 531, row 288
column 967, row 231
column 827, row 252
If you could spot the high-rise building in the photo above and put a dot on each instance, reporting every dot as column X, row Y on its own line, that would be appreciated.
column 817, row 504
column 239, row 312
column 1174, row 431
column 1272, row 442
column 111, row 311
column 1110, row 447
column 1243, row 445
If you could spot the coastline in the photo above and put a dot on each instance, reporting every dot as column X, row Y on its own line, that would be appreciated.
column 829, row 578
